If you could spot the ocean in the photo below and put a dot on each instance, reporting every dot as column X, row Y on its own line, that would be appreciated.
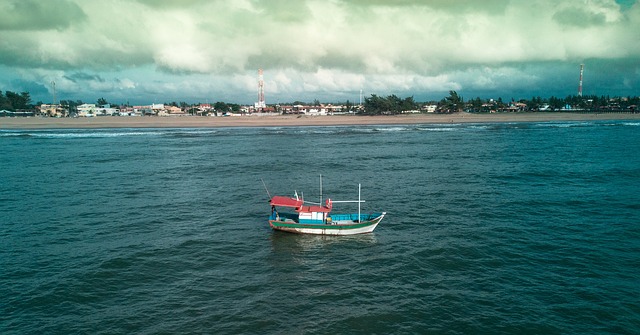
column 505, row 228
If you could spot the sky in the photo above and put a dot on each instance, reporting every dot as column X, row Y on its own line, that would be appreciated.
column 155, row 51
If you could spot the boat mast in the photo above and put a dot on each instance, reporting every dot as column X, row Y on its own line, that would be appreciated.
column 359, row 202
column 321, row 190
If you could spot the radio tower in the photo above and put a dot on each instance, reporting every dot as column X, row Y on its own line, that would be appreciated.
column 260, row 103
column 580, row 83
column 53, row 86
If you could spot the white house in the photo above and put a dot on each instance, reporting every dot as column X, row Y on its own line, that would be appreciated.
column 430, row 108
column 87, row 110
column 107, row 110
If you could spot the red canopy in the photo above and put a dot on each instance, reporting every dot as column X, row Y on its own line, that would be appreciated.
column 286, row 201
column 298, row 204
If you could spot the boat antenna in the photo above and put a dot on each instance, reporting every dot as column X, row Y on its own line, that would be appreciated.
column 320, row 189
column 265, row 188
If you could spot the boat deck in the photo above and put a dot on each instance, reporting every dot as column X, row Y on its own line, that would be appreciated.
column 334, row 219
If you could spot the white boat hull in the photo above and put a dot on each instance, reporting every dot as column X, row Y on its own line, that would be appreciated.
column 328, row 229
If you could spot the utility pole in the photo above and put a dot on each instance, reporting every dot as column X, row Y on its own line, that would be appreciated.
column 580, row 83
column 261, row 103
column 53, row 85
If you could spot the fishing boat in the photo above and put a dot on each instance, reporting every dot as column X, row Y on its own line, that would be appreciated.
column 304, row 217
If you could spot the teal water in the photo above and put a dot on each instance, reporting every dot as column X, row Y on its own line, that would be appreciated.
column 523, row 228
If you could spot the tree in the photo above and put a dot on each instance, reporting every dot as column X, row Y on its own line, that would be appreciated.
column 476, row 104
column 534, row 103
column 451, row 104
column 102, row 102
column 408, row 104
column 390, row 105
column 348, row 106
column 556, row 103
column 220, row 107
column 17, row 101
column 4, row 102
column 393, row 103
column 375, row 105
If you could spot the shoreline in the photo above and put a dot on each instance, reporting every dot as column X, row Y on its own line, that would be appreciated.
column 7, row 123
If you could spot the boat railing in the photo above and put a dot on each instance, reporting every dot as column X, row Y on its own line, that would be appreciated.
column 277, row 216
column 354, row 217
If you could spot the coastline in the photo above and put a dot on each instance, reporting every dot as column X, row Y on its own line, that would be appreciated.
column 294, row 120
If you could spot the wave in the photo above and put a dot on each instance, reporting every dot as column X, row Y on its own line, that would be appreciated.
column 564, row 124
column 586, row 124
column 89, row 135
column 439, row 129
column 181, row 133
column 102, row 133
column 391, row 129
column 13, row 134
column 76, row 134
column 316, row 130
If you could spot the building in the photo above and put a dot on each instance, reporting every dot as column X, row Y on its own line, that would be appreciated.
column 53, row 110
column 430, row 108
column 107, row 110
column 86, row 110
column 171, row 111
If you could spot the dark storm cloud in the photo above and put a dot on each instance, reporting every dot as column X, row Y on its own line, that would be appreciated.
column 81, row 76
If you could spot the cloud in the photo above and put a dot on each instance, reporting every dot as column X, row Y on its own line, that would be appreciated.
column 33, row 15
column 364, row 36
column 81, row 76
column 314, row 46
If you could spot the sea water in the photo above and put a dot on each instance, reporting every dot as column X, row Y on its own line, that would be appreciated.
column 514, row 228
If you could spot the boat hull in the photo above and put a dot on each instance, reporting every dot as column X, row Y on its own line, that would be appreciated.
column 327, row 229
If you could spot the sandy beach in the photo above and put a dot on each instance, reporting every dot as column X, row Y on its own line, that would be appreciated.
column 294, row 120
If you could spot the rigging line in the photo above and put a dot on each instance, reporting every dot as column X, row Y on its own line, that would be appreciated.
column 265, row 188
